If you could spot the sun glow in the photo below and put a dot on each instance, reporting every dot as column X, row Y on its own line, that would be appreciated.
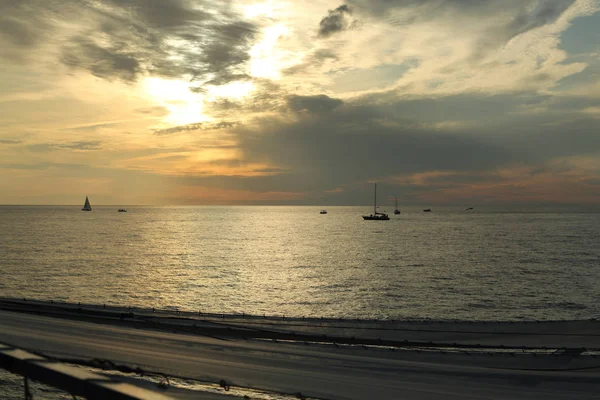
column 234, row 90
column 266, row 9
column 184, row 106
column 266, row 59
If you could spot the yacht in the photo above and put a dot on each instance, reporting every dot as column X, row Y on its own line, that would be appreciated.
column 376, row 216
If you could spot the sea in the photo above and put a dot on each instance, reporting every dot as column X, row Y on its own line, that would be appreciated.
column 449, row 264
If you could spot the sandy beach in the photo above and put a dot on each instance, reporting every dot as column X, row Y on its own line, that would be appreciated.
column 323, row 358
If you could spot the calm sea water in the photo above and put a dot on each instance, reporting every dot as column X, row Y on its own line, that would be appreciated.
column 448, row 264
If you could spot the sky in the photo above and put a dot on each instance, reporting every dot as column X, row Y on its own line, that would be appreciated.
column 180, row 102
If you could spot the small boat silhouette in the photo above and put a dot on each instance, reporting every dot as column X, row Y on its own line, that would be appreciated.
column 87, row 206
column 396, row 210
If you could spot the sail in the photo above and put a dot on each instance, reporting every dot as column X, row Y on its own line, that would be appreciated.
column 87, row 206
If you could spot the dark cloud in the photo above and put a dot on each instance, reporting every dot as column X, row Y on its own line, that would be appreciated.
column 355, row 142
column 452, row 179
column 537, row 140
column 350, row 143
column 539, row 128
column 488, row 108
column 18, row 32
column 331, row 144
column 313, row 104
column 126, row 38
column 171, row 15
column 102, row 62
column 23, row 24
column 336, row 21
column 545, row 12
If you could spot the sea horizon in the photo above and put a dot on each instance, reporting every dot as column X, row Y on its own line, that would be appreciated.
column 532, row 208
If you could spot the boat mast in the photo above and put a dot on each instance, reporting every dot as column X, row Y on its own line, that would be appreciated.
column 375, row 201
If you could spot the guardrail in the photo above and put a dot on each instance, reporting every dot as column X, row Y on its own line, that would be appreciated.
column 76, row 381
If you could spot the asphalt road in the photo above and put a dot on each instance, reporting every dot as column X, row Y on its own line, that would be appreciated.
column 320, row 371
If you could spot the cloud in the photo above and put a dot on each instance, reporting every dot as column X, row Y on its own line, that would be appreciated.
column 23, row 24
column 126, row 39
column 503, row 20
column 267, row 97
column 313, row 104
column 84, row 145
column 405, row 145
column 42, row 166
column 444, row 47
column 82, row 52
column 554, row 183
column 200, row 126
column 336, row 21
column 10, row 141
column 315, row 58
column 332, row 143
column 158, row 111
column 419, row 10
column 527, row 18
column 93, row 126
column 540, row 14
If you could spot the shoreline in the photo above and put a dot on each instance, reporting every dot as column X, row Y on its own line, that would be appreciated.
column 327, row 359
column 480, row 336
column 175, row 311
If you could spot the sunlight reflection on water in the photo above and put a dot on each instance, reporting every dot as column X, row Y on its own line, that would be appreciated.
column 294, row 261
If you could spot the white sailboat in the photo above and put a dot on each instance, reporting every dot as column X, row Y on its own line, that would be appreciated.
column 376, row 216
column 86, row 206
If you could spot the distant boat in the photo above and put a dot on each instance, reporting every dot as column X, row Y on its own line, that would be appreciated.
column 427, row 210
column 376, row 216
column 86, row 206
column 122, row 210
column 470, row 208
column 396, row 211
column 323, row 212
